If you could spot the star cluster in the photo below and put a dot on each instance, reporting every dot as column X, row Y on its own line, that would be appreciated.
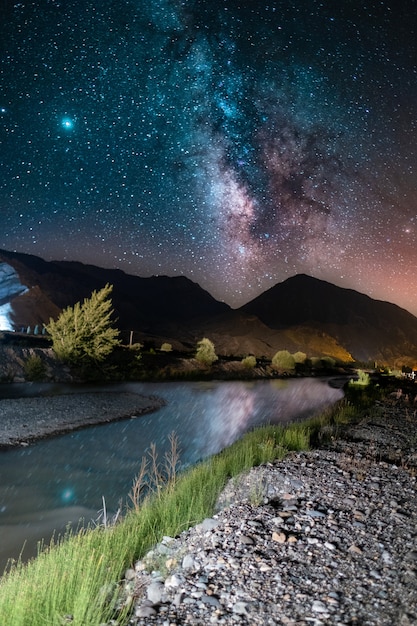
column 237, row 143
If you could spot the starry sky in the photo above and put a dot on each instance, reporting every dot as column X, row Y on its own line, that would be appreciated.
column 235, row 142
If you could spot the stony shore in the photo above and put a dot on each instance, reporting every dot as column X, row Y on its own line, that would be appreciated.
column 325, row 537
column 24, row 420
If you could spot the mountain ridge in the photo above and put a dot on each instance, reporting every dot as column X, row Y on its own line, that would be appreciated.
column 300, row 313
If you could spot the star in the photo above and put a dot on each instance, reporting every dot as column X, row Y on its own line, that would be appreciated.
column 235, row 143
column 67, row 123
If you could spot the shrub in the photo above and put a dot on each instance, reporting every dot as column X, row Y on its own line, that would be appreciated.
column 205, row 352
column 283, row 361
column 34, row 368
column 362, row 381
column 300, row 357
column 166, row 347
column 249, row 362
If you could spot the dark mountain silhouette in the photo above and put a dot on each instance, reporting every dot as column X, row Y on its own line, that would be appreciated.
column 155, row 305
column 369, row 329
column 301, row 313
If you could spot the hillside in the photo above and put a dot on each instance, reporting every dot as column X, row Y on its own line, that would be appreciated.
column 368, row 329
column 155, row 306
column 301, row 313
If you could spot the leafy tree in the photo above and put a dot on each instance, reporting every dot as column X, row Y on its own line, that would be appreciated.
column 283, row 361
column 84, row 332
column 205, row 352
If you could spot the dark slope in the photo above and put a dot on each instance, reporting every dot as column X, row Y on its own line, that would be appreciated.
column 301, row 313
column 155, row 303
column 369, row 329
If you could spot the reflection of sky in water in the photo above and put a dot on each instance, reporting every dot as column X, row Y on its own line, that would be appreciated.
column 76, row 470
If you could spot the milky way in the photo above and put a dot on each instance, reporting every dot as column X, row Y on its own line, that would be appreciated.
column 237, row 143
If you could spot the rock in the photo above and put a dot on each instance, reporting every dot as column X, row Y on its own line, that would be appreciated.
column 174, row 581
column 154, row 592
column 145, row 611
column 318, row 607
column 240, row 608
column 208, row 524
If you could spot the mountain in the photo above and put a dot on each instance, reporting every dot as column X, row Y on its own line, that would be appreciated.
column 157, row 305
column 301, row 313
column 368, row 329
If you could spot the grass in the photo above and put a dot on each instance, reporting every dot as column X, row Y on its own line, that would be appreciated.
column 76, row 580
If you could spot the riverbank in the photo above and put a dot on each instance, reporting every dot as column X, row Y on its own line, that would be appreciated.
column 28, row 419
column 324, row 537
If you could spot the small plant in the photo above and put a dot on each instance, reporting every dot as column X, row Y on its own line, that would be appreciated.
column 34, row 368
column 153, row 477
column 166, row 347
column 258, row 491
column 362, row 381
column 103, row 519
column 249, row 362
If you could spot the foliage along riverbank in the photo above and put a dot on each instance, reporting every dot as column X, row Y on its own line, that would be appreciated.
column 32, row 359
column 77, row 580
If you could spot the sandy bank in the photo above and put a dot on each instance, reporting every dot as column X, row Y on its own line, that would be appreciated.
column 23, row 420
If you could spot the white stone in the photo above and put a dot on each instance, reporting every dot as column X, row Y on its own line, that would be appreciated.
column 154, row 592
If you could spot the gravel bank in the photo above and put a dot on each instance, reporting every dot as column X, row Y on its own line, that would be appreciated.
column 24, row 420
column 327, row 537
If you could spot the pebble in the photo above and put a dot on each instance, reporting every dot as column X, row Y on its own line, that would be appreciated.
column 324, row 548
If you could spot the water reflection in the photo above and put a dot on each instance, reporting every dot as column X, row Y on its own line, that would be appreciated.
column 52, row 482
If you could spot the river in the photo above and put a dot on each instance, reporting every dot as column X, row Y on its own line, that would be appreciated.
column 59, row 480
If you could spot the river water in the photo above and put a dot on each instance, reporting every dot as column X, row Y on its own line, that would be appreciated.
column 50, row 483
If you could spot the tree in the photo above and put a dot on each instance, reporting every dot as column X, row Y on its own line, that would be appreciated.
column 205, row 352
column 283, row 361
column 84, row 332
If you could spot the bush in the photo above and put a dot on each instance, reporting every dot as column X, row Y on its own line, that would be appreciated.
column 249, row 362
column 283, row 362
column 205, row 352
column 362, row 381
column 34, row 368
column 300, row 357
column 166, row 347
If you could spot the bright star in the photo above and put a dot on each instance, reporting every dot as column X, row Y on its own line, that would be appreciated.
column 67, row 123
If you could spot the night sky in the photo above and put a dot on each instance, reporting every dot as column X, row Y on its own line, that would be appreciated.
column 237, row 143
